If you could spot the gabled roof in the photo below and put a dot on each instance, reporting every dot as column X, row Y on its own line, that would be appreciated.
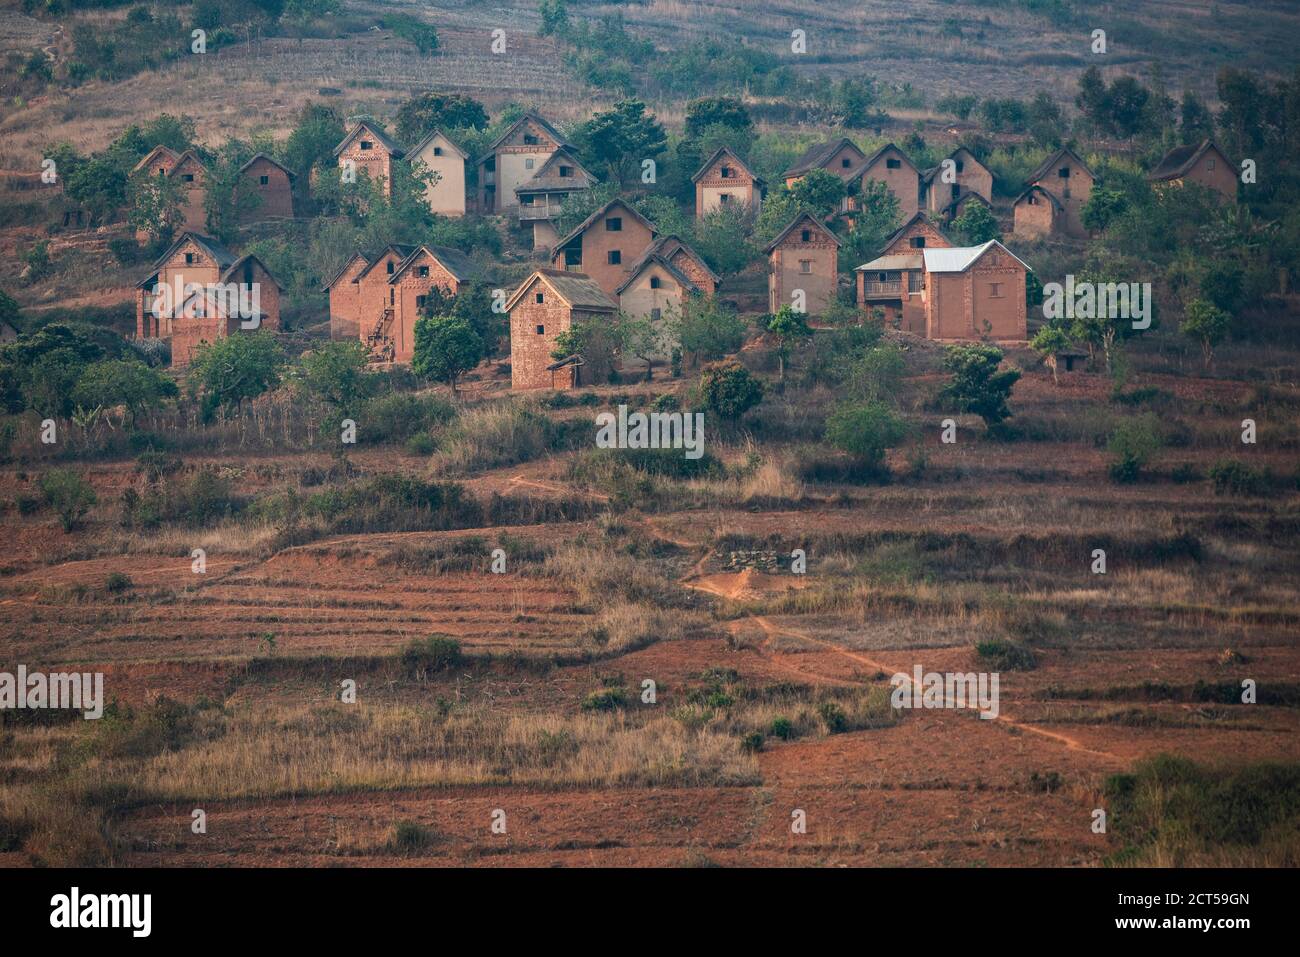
column 893, row 237
column 575, row 288
column 248, row 257
column 454, row 261
column 419, row 147
column 1052, row 160
column 152, row 153
column 928, row 176
column 188, row 154
column 222, row 256
column 401, row 249
column 668, row 246
column 1179, row 160
column 795, row 222
column 548, row 178
column 661, row 251
column 384, row 139
column 816, row 156
column 874, row 158
column 961, row 258
column 895, row 263
column 758, row 180
column 262, row 156
column 966, row 198
column 586, row 223
column 537, row 118
column 1056, row 203
column 342, row 269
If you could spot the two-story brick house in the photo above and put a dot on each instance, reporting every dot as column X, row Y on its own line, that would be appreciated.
column 605, row 245
column 803, row 266
column 546, row 304
column 725, row 179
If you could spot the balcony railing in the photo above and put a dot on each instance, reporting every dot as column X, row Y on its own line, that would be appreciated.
column 884, row 289
column 531, row 214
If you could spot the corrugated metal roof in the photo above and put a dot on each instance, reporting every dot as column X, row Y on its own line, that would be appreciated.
column 894, row 263
column 961, row 258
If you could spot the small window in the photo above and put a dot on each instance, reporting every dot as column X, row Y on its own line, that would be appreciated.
column 882, row 277
column 573, row 256
column 189, row 259
column 654, row 282
column 956, row 190
column 437, row 151
column 614, row 224
column 1210, row 163
column 566, row 172
column 392, row 296
column 162, row 171
column 806, row 236
column 264, row 180
column 390, row 267
column 539, row 297
column 528, row 163
column 1063, row 172
column 422, row 271
column 805, row 266
column 844, row 163
column 995, row 290
column 893, row 164
column 1033, row 200
column 918, row 242
column 960, row 165
column 530, row 139
column 541, row 330
column 728, row 172
column 366, row 144
column 188, row 177
column 725, row 198
column 615, row 257
column 420, row 301
column 656, row 315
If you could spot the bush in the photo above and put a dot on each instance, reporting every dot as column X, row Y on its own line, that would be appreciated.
column 434, row 654
column 1004, row 655
column 752, row 743
column 781, row 728
column 409, row 837
column 865, row 430
column 833, row 717
column 69, row 495
column 398, row 416
column 729, row 390
column 1231, row 477
column 605, row 699
column 117, row 582
column 1133, row 443
column 977, row 385
column 420, row 444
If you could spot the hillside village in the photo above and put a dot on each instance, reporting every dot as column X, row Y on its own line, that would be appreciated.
column 318, row 354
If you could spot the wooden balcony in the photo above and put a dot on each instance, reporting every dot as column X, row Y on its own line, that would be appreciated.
column 883, row 290
column 539, row 213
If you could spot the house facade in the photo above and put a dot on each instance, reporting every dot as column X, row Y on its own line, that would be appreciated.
column 187, row 169
column 605, row 245
column 803, row 258
column 974, row 293
column 513, row 159
column 661, row 281
column 272, row 184
column 377, row 301
column 441, row 156
column 367, row 148
column 344, row 301
column 545, row 305
column 725, row 180
column 1204, row 164
column 894, row 282
column 947, row 186
column 888, row 165
column 542, row 197
column 841, row 157
column 413, row 279
column 1063, row 183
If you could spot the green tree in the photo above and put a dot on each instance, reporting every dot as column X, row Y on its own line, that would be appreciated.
column 555, row 18
column 1133, row 443
column 976, row 224
column 875, row 220
column 977, row 385
column 1049, row 342
column 622, row 138
column 156, row 205
column 646, row 339
column 125, row 382
column 70, row 495
column 336, row 374
column 235, row 368
column 729, row 390
column 1103, row 207
column 708, row 330
column 708, row 111
column 1207, row 324
column 446, row 347
column 877, row 373
column 311, row 143
column 788, row 328
column 425, row 112
column 866, row 430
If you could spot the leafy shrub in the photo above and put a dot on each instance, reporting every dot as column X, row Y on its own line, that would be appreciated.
column 833, row 717
column 399, row 415
column 409, row 837
column 1006, row 655
column 396, row 503
column 1133, row 443
column 729, row 390
column 430, row 656
column 781, row 728
column 118, row 582
column 1231, row 477
column 69, row 495
column 605, row 699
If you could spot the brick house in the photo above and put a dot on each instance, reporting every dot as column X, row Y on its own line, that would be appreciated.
column 888, row 165
column 605, row 245
column 662, row 279
column 545, row 305
column 344, row 298
column 368, row 148
column 414, row 277
column 723, row 179
column 841, row 157
column 512, row 159
column 376, row 300
column 187, row 169
column 975, row 292
column 189, row 293
column 442, row 156
column 894, row 282
column 542, row 197
column 1067, row 181
column 272, row 184
column 803, row 256
column 970, row 178
column 1204, row 164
